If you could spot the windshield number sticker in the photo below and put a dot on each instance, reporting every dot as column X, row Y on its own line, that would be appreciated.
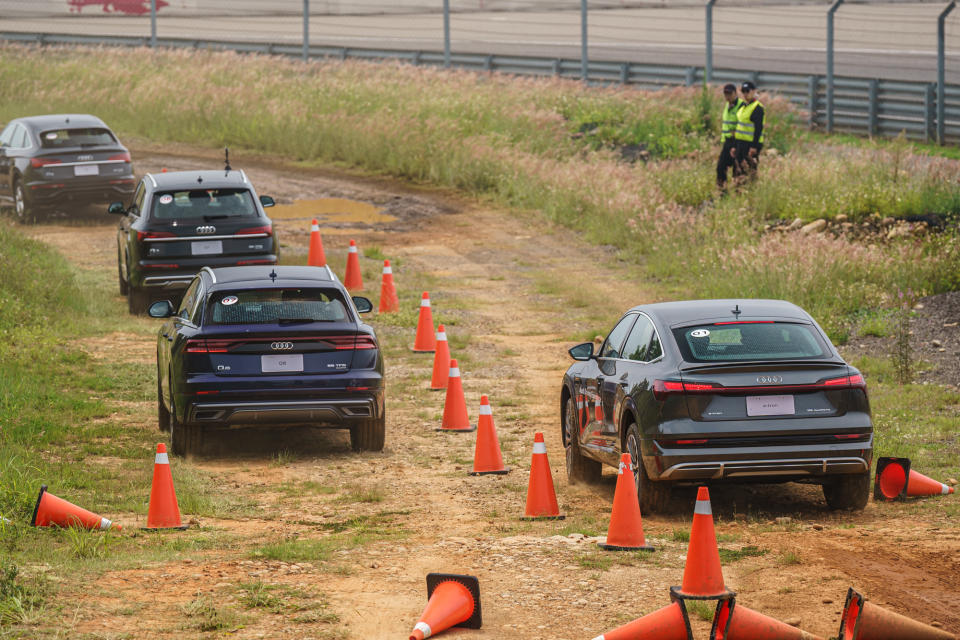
column 700, row 333
column 229, row 300
column 166, row 199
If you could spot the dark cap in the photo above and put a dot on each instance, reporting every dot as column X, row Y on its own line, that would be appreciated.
column 729, row 88
column 747, row 86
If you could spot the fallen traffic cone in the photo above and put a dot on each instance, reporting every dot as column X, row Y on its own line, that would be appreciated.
column 702, row 576
column 541, row 497
column 896, row 480
column 441, row 361
column 862, row 620
column 425, row 341
column 452, row 601
column 669, row 623
column 53, row 511
column 316, row 257
column 352, row 279
column 733, row 621
column 626, row 526
column 388, row 293
column 164, row 513
column 486, row 454
column 455, row 406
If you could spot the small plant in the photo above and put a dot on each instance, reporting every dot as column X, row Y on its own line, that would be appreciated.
column 902, row 351
column 790, row 558
column 87, row 544
column 681, row 535
column 19, row 604
column 284, row 457
column 257, row 595
column 732, row 555
column 206, row 616
column 374, row 253
column 359, row 493
column 701, row 608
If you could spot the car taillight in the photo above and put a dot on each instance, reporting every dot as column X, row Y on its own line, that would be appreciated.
column 663, row 388
column 36, row 163
column 848, row 436
column 150, row 235
column 122, row 157
column 845, row 382
column 351, row 342
column 199, row 345
column 268, row 229
column 688, row 442
column 162, row 265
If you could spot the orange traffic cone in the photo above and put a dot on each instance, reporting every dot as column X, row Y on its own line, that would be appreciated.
column 441, row 361
column 702, row 576
column 862, row 620
column 51, row 510
column 352, row 279
column 486, row 454
column 455, row 407
column 452, row 601
column 626, row 526
column 541, row 497
column 388, row 293
column 895, row 479
column 316, row 257
column 733, row 621
column 425, row 341
column 164, row 513
column 669, row 623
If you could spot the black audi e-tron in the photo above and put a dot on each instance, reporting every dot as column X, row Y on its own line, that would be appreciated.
column 271, row 347
column 710, row 390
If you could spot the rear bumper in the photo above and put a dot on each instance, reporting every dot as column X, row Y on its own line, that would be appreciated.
column 163, row 279
column 102, row 192
column 759, row 469
column 333, row 413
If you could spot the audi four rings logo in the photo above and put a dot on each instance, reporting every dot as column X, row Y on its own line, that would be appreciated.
column 207, row 229
column 281, row 346
column 770, row 379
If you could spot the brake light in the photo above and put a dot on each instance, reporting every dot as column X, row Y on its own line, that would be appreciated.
column 745, row 322
column 848, row 436
column 207, row 393
column 351, row 342
column 663, row 388
column 198, row 345
column 700, row 441
column 169, row 265
column 268, row 230
column 152, row 235
column 122, row 157
column 37, row 163
column 845, row 382
column 358, row 388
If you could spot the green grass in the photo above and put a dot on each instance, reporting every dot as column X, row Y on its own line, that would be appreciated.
column 733, row 555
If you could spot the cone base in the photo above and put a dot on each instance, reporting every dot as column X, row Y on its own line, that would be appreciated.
column 423, row 350
column 499, row 472
column 182, row 527
column 464, row 430
column 529, row 518
column 437, row 389
column 677, row 594
column 617, row 547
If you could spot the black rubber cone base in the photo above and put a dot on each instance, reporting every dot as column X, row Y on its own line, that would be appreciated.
column 529, row 518
column 501, row 472
column 676, row 594
column 615, row 547
column 182, row 527
column 423, row 350
column 470, row 582
column 36, row 508
column 467, row 430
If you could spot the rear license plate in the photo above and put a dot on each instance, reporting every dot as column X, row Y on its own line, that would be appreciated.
column 282, row 363
column 770, row 406
column 209, row 248
column 86, row 170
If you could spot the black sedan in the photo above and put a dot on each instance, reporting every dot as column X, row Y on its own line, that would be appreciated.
column 51, row 162
column 268, row 346
column 711, row 390
column 181, row 221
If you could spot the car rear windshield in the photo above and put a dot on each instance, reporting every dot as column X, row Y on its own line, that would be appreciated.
column 209, row 204
column 732, row 342
column 277, row 306
column 86, row 137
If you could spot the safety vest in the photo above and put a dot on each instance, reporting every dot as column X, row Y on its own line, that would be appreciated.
column 730, row 119
column 745, row 128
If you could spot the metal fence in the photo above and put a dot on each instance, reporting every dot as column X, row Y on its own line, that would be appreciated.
column 895, row 58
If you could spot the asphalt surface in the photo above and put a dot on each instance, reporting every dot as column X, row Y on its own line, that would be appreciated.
column 891, row 41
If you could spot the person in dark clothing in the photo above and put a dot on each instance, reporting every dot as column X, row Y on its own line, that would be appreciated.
column 727, row 159
column 749, row 134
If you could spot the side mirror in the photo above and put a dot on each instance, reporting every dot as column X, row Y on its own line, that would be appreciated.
column 117, row 208
column 267, row 201
column 583, row 351
column 362, row 304
column 161, row 309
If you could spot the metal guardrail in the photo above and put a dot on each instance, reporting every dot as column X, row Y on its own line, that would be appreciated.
column 862, row 106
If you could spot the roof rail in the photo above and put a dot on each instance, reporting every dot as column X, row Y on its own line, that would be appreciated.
column 153, row 180
column 244, row 176
column 213, row 276
column 333, row 276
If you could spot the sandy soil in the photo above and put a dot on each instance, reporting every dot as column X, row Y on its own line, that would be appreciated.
column 538, row 580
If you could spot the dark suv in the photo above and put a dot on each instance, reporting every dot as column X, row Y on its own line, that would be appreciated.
column 268, row 346
column 710, row 390
column 54, row 161
column 181, row 221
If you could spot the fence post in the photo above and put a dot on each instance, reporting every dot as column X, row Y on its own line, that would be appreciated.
column 446, row 33
column 928, row 111
column 153, row 24
column 708, row 65
column 941, row 45
column 833, row 9
column 690, row 76
column 584, row 60
column 624, row 73
column 306, row 30
column 872, row 108
column 813, row 84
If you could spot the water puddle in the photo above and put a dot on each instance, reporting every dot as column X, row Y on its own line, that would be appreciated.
column 330, row 211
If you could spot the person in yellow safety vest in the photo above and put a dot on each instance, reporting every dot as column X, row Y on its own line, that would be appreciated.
column 749, row 134
column 727, row 159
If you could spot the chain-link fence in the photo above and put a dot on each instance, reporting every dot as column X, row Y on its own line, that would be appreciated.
column 901, row 47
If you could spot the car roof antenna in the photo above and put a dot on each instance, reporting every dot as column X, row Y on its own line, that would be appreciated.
column 736, row 311
column 226, row 159
column 199, row 179
column 273, row 275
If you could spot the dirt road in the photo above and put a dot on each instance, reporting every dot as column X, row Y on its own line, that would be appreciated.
column 517, row 292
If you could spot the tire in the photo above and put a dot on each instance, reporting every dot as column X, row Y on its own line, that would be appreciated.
column 163, row 415
column 654, row 497
column 21, row 207
column 185, row 439
column 579, row 468
column 124, row 286
column 369, row 435
column 848, row 493
column 137, row 300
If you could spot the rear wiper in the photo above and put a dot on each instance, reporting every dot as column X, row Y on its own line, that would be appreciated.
column 295, row 320
column 216, row 217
